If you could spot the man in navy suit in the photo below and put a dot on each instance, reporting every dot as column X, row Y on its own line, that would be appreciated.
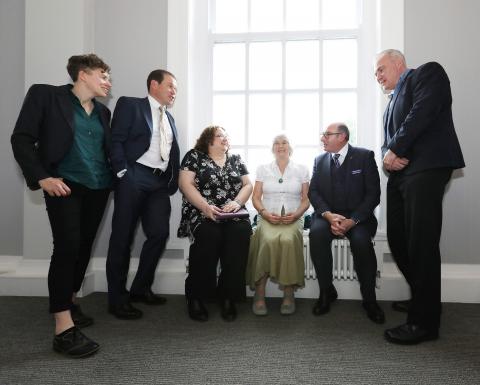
column 344, row 191
column 145, row 158
column 420, row 151
column 60, row 142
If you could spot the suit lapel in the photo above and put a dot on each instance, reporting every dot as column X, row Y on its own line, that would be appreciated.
column 390, row 130
column 348, row 162
column 66, row 105
column 147, row 113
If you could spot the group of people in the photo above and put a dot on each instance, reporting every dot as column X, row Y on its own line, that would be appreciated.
column 65, row 145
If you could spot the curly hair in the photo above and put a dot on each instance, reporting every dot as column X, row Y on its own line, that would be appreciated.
column 79, row 63
column 206, row 138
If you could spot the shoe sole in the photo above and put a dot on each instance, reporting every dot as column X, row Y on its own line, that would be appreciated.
column 66, row 354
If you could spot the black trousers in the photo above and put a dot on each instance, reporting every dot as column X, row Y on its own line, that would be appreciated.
column 227, row 241
column 414, row 226
column 139, row 194
column 364, row 259
column 74, row 220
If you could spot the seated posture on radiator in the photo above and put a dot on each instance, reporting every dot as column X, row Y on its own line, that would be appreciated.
column 344, row 191
column 214, row 182
column 276, row 247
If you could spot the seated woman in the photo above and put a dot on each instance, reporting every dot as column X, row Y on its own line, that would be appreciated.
column 276, row 247
column 213, row 181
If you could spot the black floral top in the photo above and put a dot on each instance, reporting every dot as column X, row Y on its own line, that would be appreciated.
column 218, row 185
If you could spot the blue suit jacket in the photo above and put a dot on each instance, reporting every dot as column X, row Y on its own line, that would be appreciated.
column 362, row 184
column 422, row 123
column 131, row 135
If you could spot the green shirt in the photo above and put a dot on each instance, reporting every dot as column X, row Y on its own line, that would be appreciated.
column 86, row 162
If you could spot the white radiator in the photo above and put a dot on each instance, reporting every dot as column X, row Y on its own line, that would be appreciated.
column 342, row 260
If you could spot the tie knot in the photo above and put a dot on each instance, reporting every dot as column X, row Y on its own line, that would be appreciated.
column 336, row 156
column 335, row 160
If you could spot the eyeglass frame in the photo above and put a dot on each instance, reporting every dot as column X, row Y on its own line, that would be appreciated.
column 327, row 134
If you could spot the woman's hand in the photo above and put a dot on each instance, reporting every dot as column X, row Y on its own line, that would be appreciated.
column 274, row 219
column 289, row 218
column 231, row 207
column 210, row 211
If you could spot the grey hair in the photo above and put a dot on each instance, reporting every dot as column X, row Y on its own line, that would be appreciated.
column 283, row 137
column 342, row 127
column 393, row 54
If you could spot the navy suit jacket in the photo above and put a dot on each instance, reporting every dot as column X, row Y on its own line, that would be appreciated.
column 44, row 131
column 362, row 184
column 421, row 121
column 131, row 136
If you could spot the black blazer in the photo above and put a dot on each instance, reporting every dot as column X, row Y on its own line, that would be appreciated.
column 43, row 133
column 421, row 120
column 362, row 184
column 131, row 135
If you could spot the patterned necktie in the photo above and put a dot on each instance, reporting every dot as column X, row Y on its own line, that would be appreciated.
column 335, row 160
column 163, row 135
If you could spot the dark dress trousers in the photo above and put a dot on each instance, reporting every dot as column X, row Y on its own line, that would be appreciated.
column 42, row 137
column 353, row 191
column 140, row 193
column 419, row 127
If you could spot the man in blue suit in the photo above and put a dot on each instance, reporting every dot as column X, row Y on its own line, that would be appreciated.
column 420, row 151
column 344, row 191
column 145, row 157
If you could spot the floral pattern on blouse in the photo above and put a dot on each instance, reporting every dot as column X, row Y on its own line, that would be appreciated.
column 218, row 185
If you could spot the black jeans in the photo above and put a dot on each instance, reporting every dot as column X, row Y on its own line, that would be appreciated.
column 228, row 241
column 74, row 220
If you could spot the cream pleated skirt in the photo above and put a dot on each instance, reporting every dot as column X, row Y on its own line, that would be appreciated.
column 277, row 250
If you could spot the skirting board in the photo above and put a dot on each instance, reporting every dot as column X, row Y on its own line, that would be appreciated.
column 23, row 277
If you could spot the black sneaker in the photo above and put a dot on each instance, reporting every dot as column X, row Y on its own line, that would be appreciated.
column 73, row 343
column 79, row 319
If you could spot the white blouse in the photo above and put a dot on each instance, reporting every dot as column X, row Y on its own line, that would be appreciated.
column 282, row 190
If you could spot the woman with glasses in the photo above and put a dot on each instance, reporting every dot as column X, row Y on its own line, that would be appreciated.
column 276, row 247
column 214, row 182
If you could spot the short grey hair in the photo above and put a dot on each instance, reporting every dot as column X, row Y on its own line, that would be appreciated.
column 283, row 137
column 342, row 127
column 393, row 54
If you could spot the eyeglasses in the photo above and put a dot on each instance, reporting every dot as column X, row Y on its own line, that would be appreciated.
column 327, row 134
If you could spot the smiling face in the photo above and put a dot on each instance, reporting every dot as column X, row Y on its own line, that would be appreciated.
column 281, row 147
column 164, row 92
column 220, row 142
column 388, row 70
column 96, row 81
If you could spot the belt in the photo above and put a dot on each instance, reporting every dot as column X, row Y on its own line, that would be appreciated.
column 155, row 171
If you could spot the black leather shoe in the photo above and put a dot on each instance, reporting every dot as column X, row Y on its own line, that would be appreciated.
column 409, row 334
column 149, row 297
column 327, row 296
column 401, row 306
column 196, row 310
column 79, row 319
column 73, row 343
column 229, row 311
column 374, row 312
column 125, row 311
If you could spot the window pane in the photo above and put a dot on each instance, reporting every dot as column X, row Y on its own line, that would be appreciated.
column 338, row 14
column 302, row 15
column 306, row 155
column 264, row 118
column 302, row 62
column 229, row 112
column 302, row 117
column 265, row 66
column 340, row 63
column 266, row 15
column 229, row 66
column 231, row 16
column 257, row 157
column 341, row 107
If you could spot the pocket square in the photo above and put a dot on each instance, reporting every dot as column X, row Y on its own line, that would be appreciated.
column 356, row 172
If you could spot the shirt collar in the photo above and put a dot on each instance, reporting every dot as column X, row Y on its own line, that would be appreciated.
column 154, row 104
column 343, row 151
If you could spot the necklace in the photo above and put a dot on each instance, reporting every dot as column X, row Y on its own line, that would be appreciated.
column 280, row 180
